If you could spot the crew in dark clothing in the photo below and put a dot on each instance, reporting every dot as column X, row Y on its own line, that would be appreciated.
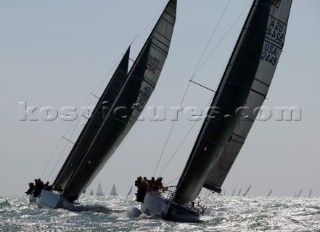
column 38, row 188
column 158, row 184
column 31, row 188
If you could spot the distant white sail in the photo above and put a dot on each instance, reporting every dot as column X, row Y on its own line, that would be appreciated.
column 99, row 192
column 129, row 193
column 113, row 191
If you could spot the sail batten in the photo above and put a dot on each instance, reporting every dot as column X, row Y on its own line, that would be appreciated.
column 243, row 88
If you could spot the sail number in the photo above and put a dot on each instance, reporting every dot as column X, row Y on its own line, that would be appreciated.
column 270, row 53
column 276, row 31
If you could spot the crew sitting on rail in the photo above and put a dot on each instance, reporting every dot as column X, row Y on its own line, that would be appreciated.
column 38, row 188
column 31, row 188
column 158, row 184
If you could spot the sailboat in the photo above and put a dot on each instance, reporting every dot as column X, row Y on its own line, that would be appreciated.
column 239, row 192
column 310, row 193
column 269, row 194
column 130, row 190
column 234, row 190
column 113, row 191
column 246, row 192
column 245, row 82
column 299, row 194
column 114, row 115
column 99, row 192
column 91, row 193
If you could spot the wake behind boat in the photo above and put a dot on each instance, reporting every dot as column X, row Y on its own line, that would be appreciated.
column 107, row 126
column 243, row 88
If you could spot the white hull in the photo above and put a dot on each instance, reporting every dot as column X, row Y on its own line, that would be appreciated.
column 155, row 205
column 32, row 199
column 53, row 200
column 158, row 204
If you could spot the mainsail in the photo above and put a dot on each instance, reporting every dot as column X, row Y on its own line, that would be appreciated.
column 246, row 192
column 99, row 192
column 130, row 190
column 99, row 113
column 127, row 106
column 91, row 193
column 241, row 92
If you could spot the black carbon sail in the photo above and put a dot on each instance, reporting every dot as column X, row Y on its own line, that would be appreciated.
column 127, row 106
column 243, row 88
column 94, row 122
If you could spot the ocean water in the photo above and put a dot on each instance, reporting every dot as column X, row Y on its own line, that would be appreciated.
column 123, row 214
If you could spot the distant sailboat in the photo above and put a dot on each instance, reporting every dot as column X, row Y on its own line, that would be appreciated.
column 239, row 192
column 246, row 82
column 310, row 193
column 269, row 194
column 91, row 193
column 99, row 192
column 130, row 190
column 299, row 194
column 246, row 192
column 234, row 190
column 115, row 114
column 113, row 191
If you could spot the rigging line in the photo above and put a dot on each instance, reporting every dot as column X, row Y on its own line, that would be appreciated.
column 211, row 37
column 192, row 77
column 146, row 27
column 173, row 181
column 171, row 129
column 101, row 83
column 49, row 176
column 68, row 140
column 183, row 140
column 202, row 85
column 52, row 155
column 222, row 39
column 63, row 137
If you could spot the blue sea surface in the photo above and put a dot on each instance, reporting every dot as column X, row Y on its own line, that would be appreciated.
column 224, row 213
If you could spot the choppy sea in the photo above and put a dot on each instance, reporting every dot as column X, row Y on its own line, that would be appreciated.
column 123, row 214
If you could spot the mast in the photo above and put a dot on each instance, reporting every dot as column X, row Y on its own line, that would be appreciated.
column 245, row 83
column 90, row 129
column 128, row 104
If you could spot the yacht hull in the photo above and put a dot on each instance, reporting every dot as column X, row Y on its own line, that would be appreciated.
column 54, row 200
column 156, row 204
column 32, row 199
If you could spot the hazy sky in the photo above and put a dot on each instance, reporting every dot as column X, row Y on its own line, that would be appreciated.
column 55, row 53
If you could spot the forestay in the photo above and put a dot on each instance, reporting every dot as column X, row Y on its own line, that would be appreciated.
column 243, row 88
column 128, row 105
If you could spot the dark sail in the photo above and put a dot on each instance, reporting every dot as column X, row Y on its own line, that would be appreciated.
column 90, row 129
column 244, row 87
column 128, row 105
